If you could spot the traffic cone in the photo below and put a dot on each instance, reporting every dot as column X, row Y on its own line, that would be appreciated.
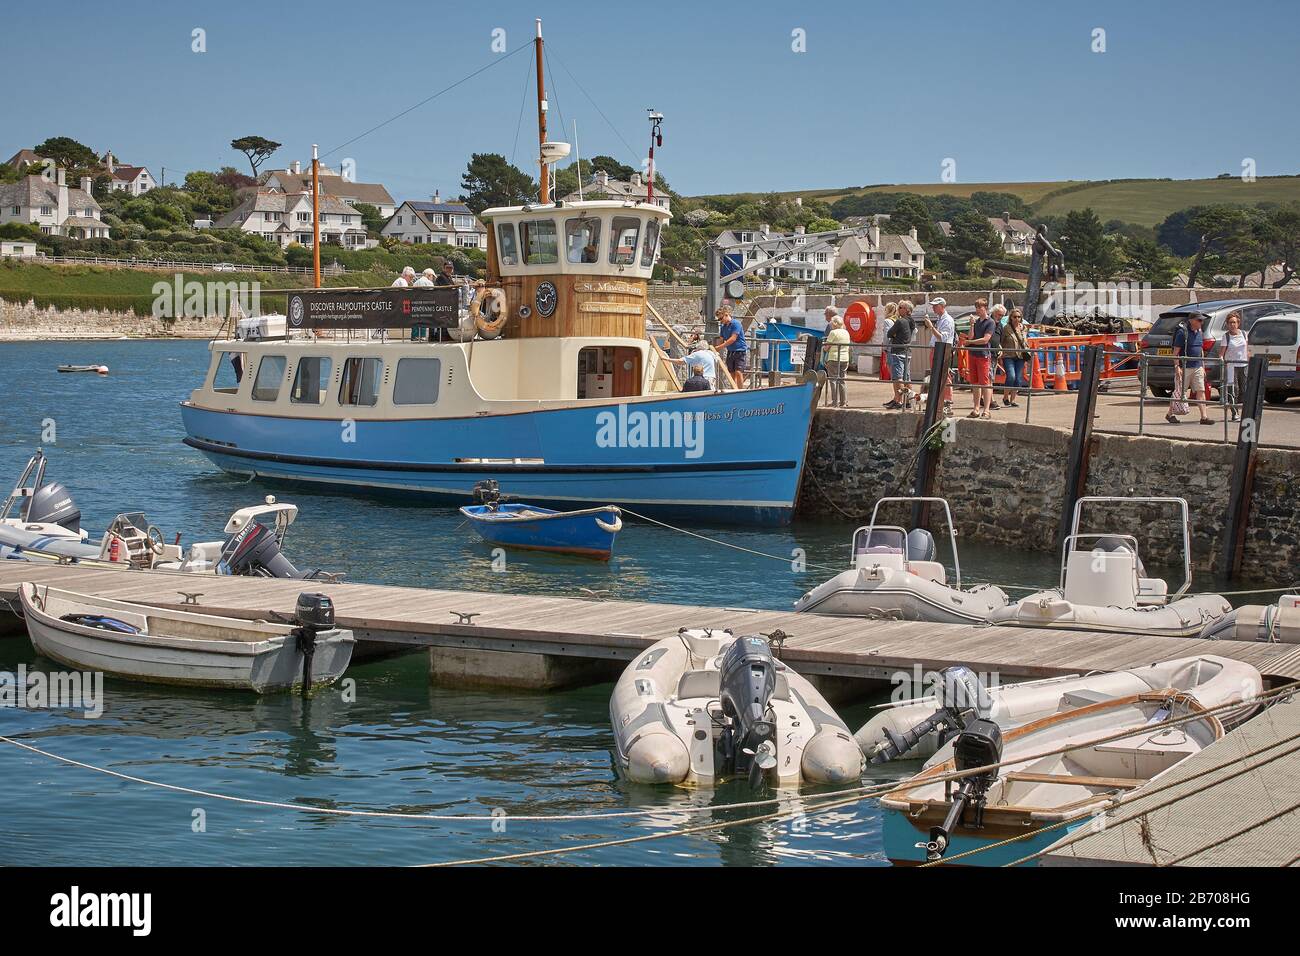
column 1058, row 379
column 1036, row 377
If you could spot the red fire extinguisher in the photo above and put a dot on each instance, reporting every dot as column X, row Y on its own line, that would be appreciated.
column 115, row 549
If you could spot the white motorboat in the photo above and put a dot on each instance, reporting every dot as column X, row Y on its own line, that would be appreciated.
column 926, row 819
column 895, row 575
column 142, row 643
column 916, row 728
column 704, row 705
column 40, row 521
column 1104, row 586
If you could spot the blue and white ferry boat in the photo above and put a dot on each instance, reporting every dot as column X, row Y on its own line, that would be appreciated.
column 541, row 377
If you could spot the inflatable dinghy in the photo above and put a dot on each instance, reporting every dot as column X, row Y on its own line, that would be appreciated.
column 704, row 705
column 895, row 575
column 1272, row 623
column 918, row 728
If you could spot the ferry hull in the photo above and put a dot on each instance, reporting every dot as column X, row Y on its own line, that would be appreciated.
column 740, row 460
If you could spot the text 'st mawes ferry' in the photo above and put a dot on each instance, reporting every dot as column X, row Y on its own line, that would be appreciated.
column 541, row 377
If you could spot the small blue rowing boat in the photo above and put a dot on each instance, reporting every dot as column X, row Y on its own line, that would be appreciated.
column 589, row 532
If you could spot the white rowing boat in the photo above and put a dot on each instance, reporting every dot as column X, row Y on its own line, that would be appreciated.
column 142, row 643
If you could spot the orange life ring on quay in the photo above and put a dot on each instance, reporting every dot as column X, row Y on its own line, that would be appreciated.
column 860, row 321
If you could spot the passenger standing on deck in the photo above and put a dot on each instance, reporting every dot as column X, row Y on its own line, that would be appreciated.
column 1236, row 353
column 837, row 357
column 980, row 361
column 900, row 335
column 448, row 274
column 697, row 382
column 733, row 339
column 1189, row 386
column 702, row 357
column 426, row 278
column 1015, row 353
column 405, row 279
column 944, row 330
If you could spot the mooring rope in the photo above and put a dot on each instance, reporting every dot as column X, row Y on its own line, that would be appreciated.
column 725, row 544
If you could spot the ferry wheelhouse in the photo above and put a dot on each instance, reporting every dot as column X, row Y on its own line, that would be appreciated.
column 540, row 376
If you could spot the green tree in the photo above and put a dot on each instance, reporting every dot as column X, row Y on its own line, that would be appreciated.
column 370, row 216
column 1147, row 261
column 1212, row 226
column 491, row 181
column 972, row 238
column 911, row 212
column 68, row 153
column 1282, row 234
column 1089, row 253
column 258, row 149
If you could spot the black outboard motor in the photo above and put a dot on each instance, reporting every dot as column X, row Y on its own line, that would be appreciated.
column 253, row 550
column 312, row 614
column 747, row 679
column 979, row 745
column 960, row 697
column 52, row 504
column 488, row 493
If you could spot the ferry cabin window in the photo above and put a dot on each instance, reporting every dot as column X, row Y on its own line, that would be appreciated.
column 360, row 381
column 229, row 372
column 651, row 244
column 270, row 373
column 509, row 249
column 582, row 240
column 417, row 381
column 540, row 242
column 311, row 380
column 622, row 243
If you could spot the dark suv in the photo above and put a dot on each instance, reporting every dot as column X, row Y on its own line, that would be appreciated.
column 1159, row 339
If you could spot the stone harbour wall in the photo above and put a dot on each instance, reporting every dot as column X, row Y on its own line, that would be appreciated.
column 21, row 322
column 1005, row 483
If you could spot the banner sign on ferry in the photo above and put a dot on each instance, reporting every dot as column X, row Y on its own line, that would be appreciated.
column 392, row 308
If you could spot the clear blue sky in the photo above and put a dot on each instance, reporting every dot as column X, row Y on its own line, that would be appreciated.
column 884, row 93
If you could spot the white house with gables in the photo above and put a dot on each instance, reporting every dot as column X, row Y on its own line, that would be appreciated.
column 884, row 255
column 634, row 190
column 136, row 180
column 818, row 266
column 57, row 208
column 286, row 218
column 296, row 178
column 451, row 223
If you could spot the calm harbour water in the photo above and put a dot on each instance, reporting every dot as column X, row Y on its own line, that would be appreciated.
column 403, row 744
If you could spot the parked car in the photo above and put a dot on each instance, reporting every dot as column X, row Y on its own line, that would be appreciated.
column 1278, row 337
column 1158, row 343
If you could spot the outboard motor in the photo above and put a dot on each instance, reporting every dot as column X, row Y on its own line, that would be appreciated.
column 52, row 504
column 747, row 680
column 488, row 493
column 979, row 745
column 920, row 545
column 312, row 614
column 253, row 550
column 960, row 696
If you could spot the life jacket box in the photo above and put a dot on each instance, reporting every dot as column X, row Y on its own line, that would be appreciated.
column 260, row 328
column 599, row 385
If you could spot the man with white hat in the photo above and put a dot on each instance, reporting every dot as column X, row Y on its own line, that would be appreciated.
column 943, row 329
column 405, row 279
column 426, row 278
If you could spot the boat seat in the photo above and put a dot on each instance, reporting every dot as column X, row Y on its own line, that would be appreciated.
column 708, row 684
column 1111, row 582
column 1083, row 697
column 930, row 570
column 1152, row 591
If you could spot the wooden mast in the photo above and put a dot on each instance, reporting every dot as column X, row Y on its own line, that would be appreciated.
column 544, row 193
column 315, row 214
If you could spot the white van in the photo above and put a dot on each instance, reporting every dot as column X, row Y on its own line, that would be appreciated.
column 1278, row 337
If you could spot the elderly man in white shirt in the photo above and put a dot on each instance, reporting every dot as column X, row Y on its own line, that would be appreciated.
column 405, row 279
column 426, row 279
column 944, row 330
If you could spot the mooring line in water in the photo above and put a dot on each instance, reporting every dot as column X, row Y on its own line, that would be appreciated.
column 725, row 544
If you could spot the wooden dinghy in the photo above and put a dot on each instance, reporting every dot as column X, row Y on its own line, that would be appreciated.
column 926, row 820
column 97, row 369
column 142, row 643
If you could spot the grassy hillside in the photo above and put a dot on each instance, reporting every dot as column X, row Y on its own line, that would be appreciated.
column 1142, row 201
column 104, row 287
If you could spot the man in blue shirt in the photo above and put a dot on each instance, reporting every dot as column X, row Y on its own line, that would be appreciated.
column 1189, row 343
column 733, row 339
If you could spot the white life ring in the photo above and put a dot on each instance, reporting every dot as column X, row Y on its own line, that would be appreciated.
column 489, row 302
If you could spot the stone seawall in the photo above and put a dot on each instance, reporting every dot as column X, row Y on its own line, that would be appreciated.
column 1005, row 482
column 27, row 322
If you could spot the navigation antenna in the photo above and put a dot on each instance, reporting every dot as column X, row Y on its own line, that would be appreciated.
column 656, row 139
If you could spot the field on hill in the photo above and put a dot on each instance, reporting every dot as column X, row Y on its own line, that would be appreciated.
column 1145, row 202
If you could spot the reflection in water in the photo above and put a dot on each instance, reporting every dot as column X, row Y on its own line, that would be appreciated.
column 401, row 743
